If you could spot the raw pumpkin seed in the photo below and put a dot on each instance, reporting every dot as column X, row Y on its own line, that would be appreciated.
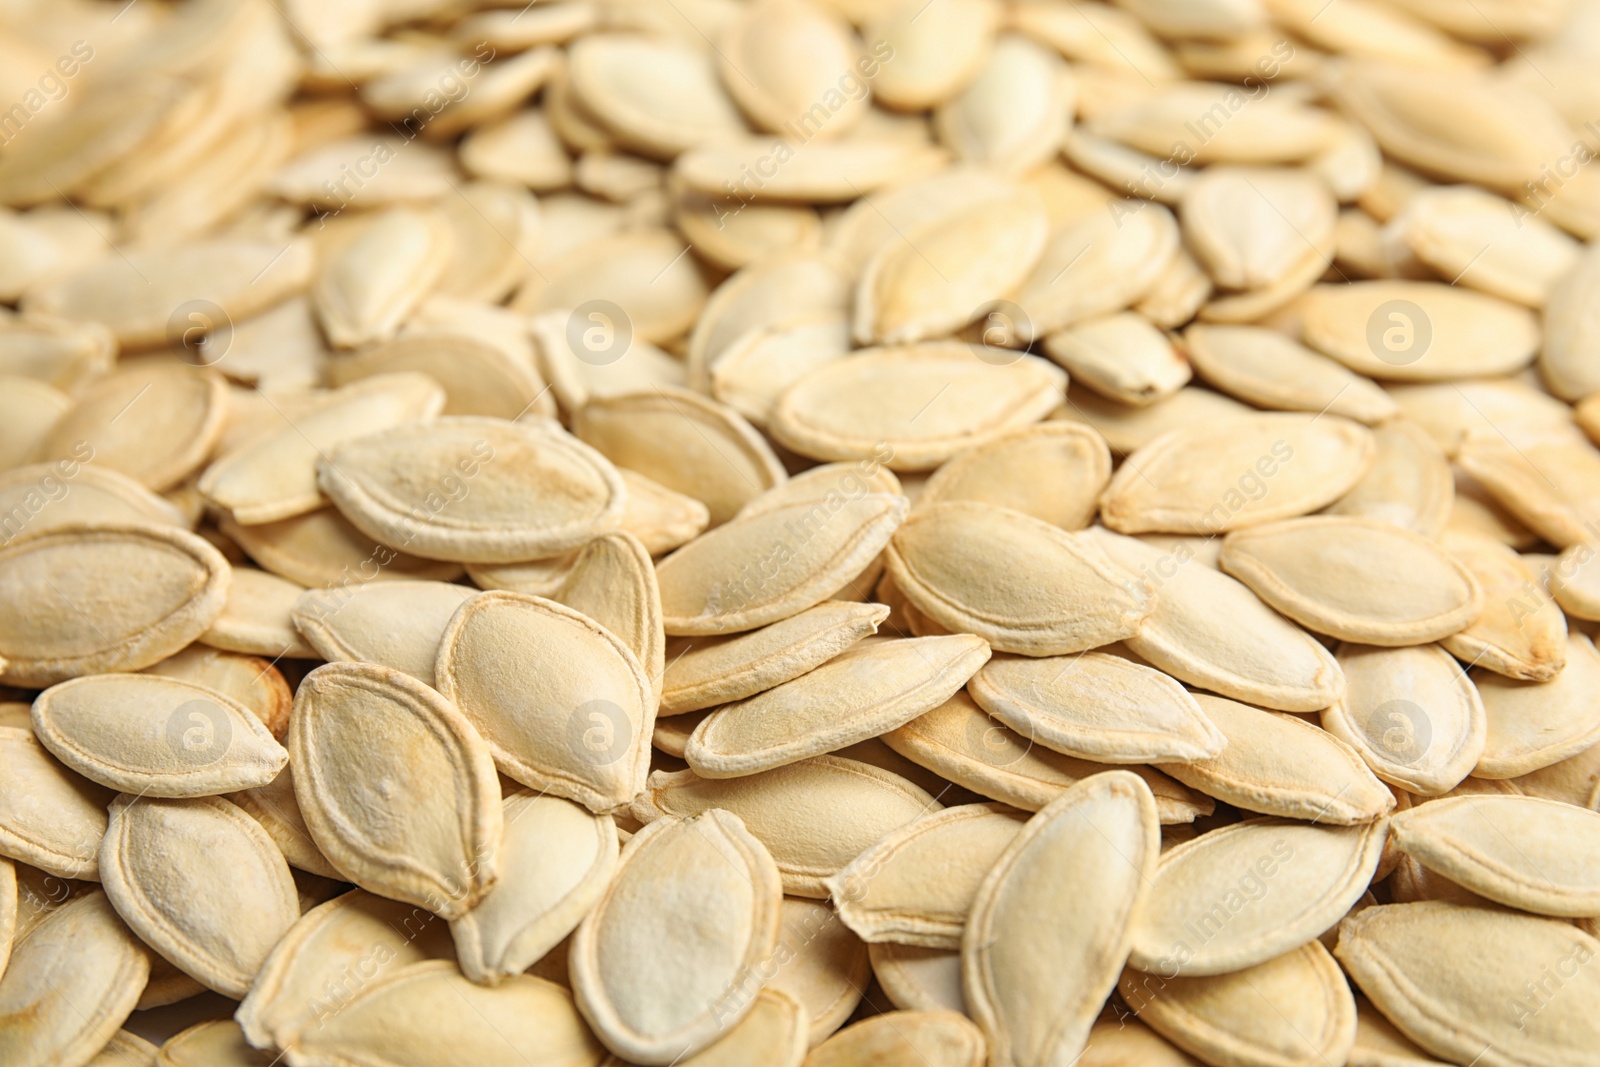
column 1536, row 724
column 396, row 624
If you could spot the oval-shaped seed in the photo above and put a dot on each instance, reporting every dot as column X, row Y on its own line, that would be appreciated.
column 275, row 807
column 659, row 95
column 764, row 567
column 50, row 817
column 1180, row 636
column 1418, row 331
column 1226, row 473
column 860, row 694
column 97, row 496
column 126, row 1050
column 1016, row 112
column 397, row 624
column 1248, row 893
column 912, row 408
column 355, row 933
column 365, row 289
column 1126, row 1042
column 478, row 377
column 1558, row 505
column 1121, row 357
column 555, row 860
column 135, row 297
column 1356, row 579
column 374, row 751
column 1524, row 852
column 1477, row 239
column 1278, row 764
column 1537, row 724
column 708, row 673
column 779, row 58
column 1293, row 1011
column 1097, row 264
column 642, row 271
column 401, row 1019
column 473, row 488
column 918, row 979
column 200, row 882
column 1575, row 584
column 274, row 475
column 1054, row 471
column 759, row 365
column 930, row 1038
column 613, row 581
column 70, row 985
column 823, row 965
column 934, row 58
column 323, row 550
column 155, row 423
column 943, row 275
column 1409, row 959
column 1409, row 483
column 255, row 618
column 1034, row 966
column 1277, row 131
column 87, row 599
column 773, row 1033
column 1263, row 367
column 1018, row 582
column 217, row 1043
column 1096, row 706
column 1250, row 226
column 815, row 816
column 253, row 682
column 30, row 409
column 917, row 884
column 1379, row 1044
column 1412, row 714
column 1513, row 634
column 154, row 736
column 663, row 977
column 686, row 442
column 958, row 741
column 1570, row 325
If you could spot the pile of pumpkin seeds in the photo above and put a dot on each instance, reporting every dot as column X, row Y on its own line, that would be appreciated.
column 762, row 533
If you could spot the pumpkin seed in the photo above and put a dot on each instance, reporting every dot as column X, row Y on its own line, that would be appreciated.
column 1295, row 1010
column 576, row 722
column 1205, row 917
column 126, row 1050
column 918, row 979
column 1096, row 706
column 1476, row 239
column 659, row 1015
column 1096, row 845
column 823, row 965
column 814, row 816
column 53, row 819
column 935, row 1038
column 1249, row 227
column 916, row 885
column 154, row 736
column 360, row 732
column 1122, row 357
column 1412, row 714
column 200, row 882
column 1507, row 637
column 83, row 599
column 1535, row 724
column 537, row 493
column 70, row 985
column 555, row 861
column 1020, row 583
column 932, row 60
column 1165, row 487
column 396, row 624
column 1356, row 579
column 1409, row 483
column 658, row 95
column 1015, row 113
column 218, row 1043
column 1277, row 764
column 1265, row 368
column 1408, row 957
column 252, row 682
column 1097, row 265
column 1054, row 471
column 478, row 377
column 364, row 290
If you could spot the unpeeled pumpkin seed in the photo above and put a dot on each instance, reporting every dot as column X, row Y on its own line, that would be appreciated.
column 823, row 965
column 52, row 819
column 937, row 1039
column 396, row 624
